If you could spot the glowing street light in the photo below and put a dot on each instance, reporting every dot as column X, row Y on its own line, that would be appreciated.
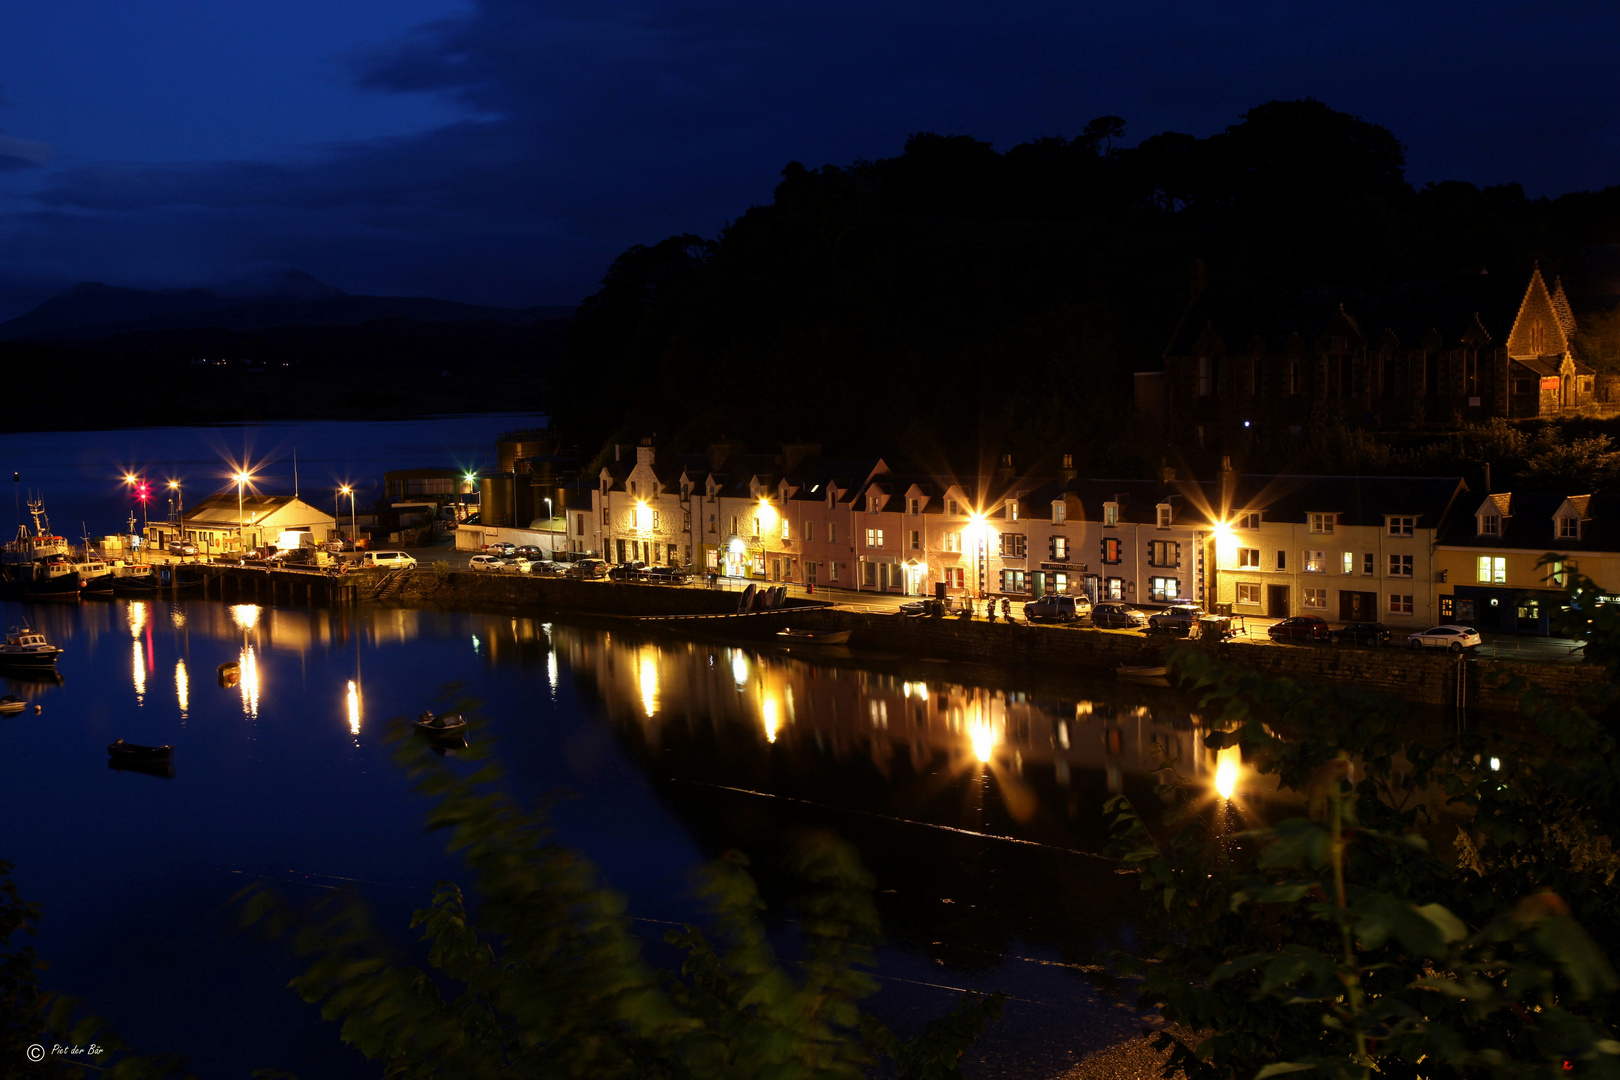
column 348, row 490
column 242, row 477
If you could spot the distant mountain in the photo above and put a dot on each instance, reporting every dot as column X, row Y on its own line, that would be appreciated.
column 281, row 297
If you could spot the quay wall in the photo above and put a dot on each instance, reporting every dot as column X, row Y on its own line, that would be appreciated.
column 1421, row 677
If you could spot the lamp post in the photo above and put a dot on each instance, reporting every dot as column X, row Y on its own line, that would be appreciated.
column 348, row 490
column 241, row 481
column 550, row 528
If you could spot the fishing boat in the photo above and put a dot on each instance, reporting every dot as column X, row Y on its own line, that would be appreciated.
column 814, row 637
column 38, row 566
column 95, row 578
column 128, row 751
column 442, row 724
column 11, row 705
column 133, row 579
column 27, row 649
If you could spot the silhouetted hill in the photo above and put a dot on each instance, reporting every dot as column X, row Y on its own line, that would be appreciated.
column 282, row 298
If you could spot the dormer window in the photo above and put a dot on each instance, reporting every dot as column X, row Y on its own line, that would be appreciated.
column 1323, row 523
column 1012, row 509
column 1248, row 521
column 1110, row 514
column 874, row 503
column 1060, row 513
column 1164, row 515
column 1569, row 528
column 914, row 507
column 1490, row 524
column 953, row 508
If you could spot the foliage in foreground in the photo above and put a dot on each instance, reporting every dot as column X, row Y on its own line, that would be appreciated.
column 1339, row 941
column 539, row 975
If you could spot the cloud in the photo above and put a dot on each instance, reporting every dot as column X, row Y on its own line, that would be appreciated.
column 590, row 126
column 24, row 153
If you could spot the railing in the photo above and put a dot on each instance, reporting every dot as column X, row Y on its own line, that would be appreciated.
column 1533, row 650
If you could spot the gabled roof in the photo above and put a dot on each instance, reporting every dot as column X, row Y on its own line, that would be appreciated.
column 1561, row 308
column 222, row 510
column 1531, row 526
column 1357, row 500
column 1502, row 504
column 1537, row 330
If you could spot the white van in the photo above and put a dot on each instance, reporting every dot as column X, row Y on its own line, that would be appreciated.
column 393, row 560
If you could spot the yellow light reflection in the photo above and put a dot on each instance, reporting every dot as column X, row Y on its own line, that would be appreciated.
column 354, row 708
column 182, row 687
column 245, row 616
column 772, row 717
column 647, row 669
column 177, row 616
column 1228, row 766
column 983, row 735
column 739, row 668
column 551, row 671
column 140, row 673
column 136, row 614
column 917, row 688
column 250, row 681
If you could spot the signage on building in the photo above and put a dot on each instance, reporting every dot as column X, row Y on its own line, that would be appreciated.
column 1549, row 382
column 1073, row 568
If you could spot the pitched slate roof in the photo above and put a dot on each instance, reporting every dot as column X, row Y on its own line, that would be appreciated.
column 1530, row 526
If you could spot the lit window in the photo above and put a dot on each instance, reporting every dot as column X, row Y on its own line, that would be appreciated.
column 1315, row 598
column 1348, row 560
column 1164, row 517
column 785, row 529
column 1114, row 588
column 1060, row 548
column 1012, row 509
column 1059, row 513
column 1493, row 570
column 874, row 537
column 1112, row 550
column 1164, row 588
column 1315, row 563
column 1110, row 513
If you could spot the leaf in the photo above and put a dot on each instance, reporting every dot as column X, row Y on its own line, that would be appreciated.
column 1450, row 927
column 1277, row 1068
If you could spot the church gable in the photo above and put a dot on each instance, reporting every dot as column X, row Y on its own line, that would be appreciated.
column 1537, row 330
column 1561, row 308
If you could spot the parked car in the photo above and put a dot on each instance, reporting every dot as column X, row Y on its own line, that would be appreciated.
column 295, row 557
column 1300, row 630
column 182, row 547
column 1113, row 615
column 667, row 575
column 393, row 560
column 339, row 546
column 484, row 562
column 1361, row 633
column 1178, row 619
column 630, row 571
column 529, row 551
column 1452, row 638
column 1056, row 608
column 517, row 564
column 500, row 548
column 588, row 569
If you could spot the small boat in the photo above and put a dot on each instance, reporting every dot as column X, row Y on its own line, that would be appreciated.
column 814, row 637
column 128, row 751
column 11, row 705
column 25, row 648
column 1128, row 672
column 133, row 579
column 440, row 724
column 230, row 673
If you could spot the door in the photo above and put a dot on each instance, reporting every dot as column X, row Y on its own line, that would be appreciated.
column 776, row 569
column 1356, row 606
column 621, row 551
column 1277, row 601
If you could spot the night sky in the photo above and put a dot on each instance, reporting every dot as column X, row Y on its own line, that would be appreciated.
column 503, row 152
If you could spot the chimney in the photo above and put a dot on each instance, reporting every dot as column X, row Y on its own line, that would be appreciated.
column 644, row 453
column 1067, row 471
column 1228, row 485
column 618, row 452
column 1487, row 478
column 1167, row 475
column 1004, row 470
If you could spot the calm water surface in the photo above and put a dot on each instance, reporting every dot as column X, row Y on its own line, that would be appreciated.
column 974, row 802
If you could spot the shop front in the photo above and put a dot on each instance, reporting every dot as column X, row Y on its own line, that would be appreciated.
column 1502, row 610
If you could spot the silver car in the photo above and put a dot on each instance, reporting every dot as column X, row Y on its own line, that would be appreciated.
column 1451, row 638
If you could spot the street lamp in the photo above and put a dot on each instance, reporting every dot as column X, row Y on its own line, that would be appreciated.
column 349, row 491
column 241, row 481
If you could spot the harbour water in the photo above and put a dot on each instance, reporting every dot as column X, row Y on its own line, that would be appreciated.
column 975, row 803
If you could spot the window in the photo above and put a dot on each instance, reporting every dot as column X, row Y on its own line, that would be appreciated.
column 952, row 541
column 1402, row 526
column 1315, row 598
column 952, row 508
column 1012, row 509
column 686, row 521
column 1060, row 583
column 1282, row 560
column 1569, row 528
column 1249, row 557
column 869, row 574
column 1013, row 546
column 1559, row 572
column 916, row 540
column 832, row 534
column 809, row 531
column 954, row 578
column 1012, row 581
column 756, row 526
column 1315, row 563
column 1164, row 588
column 712, row 525
column 1448, row 608
column 1112, row 551
column 606, row 516
column 1493, row 570
column 874, row 538
column 734, row 531
column 1060, row 548
column 874, row 503
column 1323, row 523
column 1060, row 513
column 1248, row 521
column 1400, row 566
column 1367, row 564
column 832, row 571
column 785, row 535
column 655, row 520
column 912, row 507
column 1113, row 588
column 1205, row 366
column 1348, row 562
column 1164, row 516
column 1248, row 594
column 1490, row 525
column 579, row 524
column 1400, row 603
column 1110, row 514
column 1164, row 553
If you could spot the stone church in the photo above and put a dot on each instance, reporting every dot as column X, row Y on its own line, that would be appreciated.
column 1428, row 354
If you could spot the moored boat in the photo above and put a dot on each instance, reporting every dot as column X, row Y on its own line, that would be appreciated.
column 133, row 579
column 442, row 724
column 11, row 705
column 25, row 648
column 814, row 637
column 37, row 566
column 128, row 751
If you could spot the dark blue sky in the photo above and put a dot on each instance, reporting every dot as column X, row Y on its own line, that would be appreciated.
column 503, row 151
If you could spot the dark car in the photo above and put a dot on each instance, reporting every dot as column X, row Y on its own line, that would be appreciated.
column 630, row 571
column 1056, row 608
column 1113, row 615
column 1301, row 630
column 529, row 551
column 1178, row 619
column 667, row 575
column 1361, row 633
